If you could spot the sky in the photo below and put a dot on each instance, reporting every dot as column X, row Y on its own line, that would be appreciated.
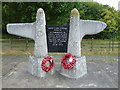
column 112, row 3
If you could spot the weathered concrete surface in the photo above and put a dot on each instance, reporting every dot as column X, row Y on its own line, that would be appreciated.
column 101, row 74
column 22, row 29
column 40, row 35
column 79, row 70
column 74, row 46
column 34, row 65
column 79, row 28
column 35, row 31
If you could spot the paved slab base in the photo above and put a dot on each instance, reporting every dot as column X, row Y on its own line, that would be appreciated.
column 100, row 74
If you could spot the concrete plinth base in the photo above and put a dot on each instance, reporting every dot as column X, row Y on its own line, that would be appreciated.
column 34, row 67
column 79, row 70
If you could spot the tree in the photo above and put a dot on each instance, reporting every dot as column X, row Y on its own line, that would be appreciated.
column 110, row 18
column 58, row 13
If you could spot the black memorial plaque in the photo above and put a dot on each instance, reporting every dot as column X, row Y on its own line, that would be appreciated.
column 57, row 38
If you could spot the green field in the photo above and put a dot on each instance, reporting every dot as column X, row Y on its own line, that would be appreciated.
column 89, row 47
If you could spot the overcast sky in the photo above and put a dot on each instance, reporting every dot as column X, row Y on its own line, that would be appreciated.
column 112, row 3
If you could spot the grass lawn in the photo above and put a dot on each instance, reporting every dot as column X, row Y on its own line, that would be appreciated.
column 89, row 47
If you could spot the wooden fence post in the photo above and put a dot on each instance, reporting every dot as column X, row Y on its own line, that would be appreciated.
column 109, row 44
column 92, row 44
column 112, row 44
column 26, row 44
column 10, row 42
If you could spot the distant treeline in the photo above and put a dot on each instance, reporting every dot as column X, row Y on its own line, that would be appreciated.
column 58, row 13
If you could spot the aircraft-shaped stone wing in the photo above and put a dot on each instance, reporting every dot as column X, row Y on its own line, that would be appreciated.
column 22, row 29
column 80, row 28
column 35, row 31
column 90, row 27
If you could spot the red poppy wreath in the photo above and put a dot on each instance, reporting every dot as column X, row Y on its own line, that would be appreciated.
column 43, row 64
column 68, row 65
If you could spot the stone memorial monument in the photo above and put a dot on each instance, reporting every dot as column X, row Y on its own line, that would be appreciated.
column 78, row 29
column 73, row 65
column 37, row 32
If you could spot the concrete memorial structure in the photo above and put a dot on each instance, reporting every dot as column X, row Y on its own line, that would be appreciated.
column 37, row 65
column 37, row 32
column 78, row 29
